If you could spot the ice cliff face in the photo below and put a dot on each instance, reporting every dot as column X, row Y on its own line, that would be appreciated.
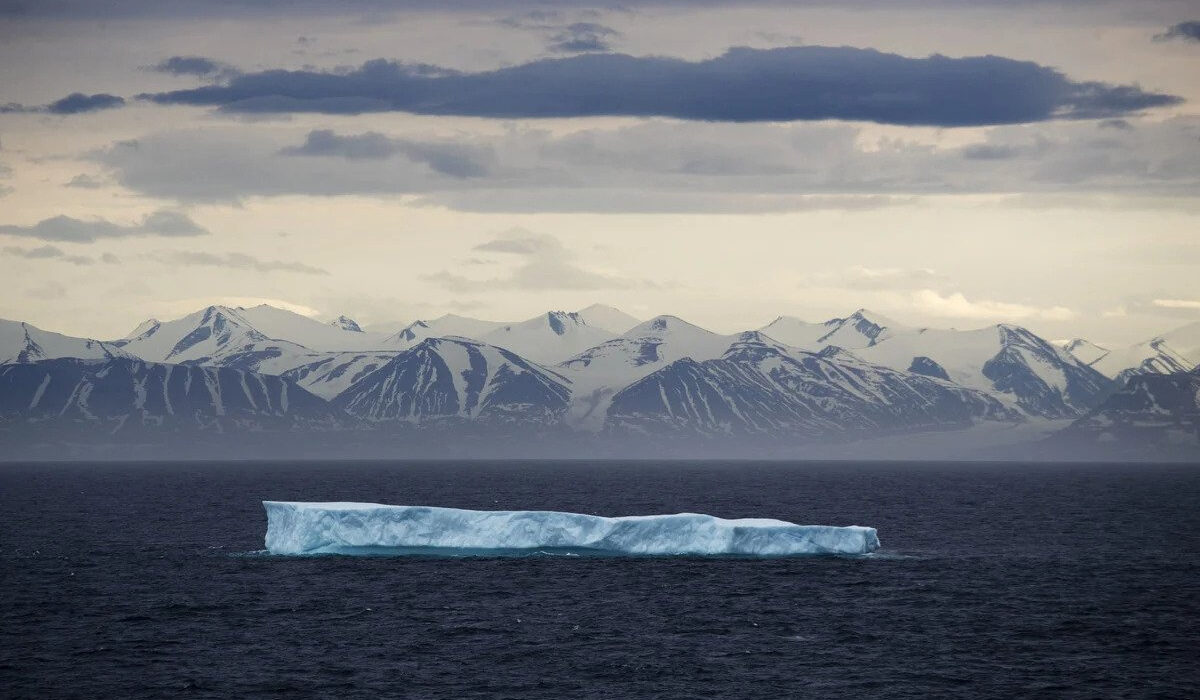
column 761, row 387
column 369, row 528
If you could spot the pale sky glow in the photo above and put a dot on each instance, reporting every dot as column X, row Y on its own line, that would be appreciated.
column 1073, row 227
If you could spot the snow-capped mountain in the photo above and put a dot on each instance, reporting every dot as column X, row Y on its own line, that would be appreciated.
column 1151, row 413
column 548, row 338
column 206, row 336
column 453, row 378
column 21, row 342
column 449, row 325
column 599, row 372
column 239, row 370
column 1085, row 351
column 761, row 387
column 123, row 395
column 607, row 318
column 1008, row 361
column 860, row 329
column 1175, row 351
column 347, row 324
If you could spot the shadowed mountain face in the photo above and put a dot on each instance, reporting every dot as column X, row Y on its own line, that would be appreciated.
column 444, row 378
column 760, row 387
column 124, row 395
column 1151, row 413
column 1037, row 374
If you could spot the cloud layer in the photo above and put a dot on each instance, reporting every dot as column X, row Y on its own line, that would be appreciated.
column 68, row 229
column 1184, row 31
column 659, row 166
column 49, row 252
column 804, row 83
column 545, row 264
column 75, row 103
column 236, row 261
column 451, row 158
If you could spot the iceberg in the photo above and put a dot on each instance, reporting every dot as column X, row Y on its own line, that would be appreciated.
column 296, row 528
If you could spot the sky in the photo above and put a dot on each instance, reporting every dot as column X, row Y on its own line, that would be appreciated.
column 942, row 162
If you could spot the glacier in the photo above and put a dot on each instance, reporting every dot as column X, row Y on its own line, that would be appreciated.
column 299, row 528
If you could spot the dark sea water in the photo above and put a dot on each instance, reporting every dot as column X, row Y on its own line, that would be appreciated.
column 130, row 581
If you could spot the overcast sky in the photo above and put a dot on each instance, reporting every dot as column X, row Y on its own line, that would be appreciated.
column 946, row 163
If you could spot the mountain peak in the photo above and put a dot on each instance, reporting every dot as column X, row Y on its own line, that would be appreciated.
column 148, row 326
column 873, row 317
column 560, row 321
column 347, row 324
column 607, row 318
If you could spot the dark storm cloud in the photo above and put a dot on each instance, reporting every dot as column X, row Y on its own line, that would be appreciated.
column 454, row 159
column 583, row 37
column 75, row 103
column 194, row 65
column 324, row 142
column 78, row 102
column 69, row 229
column 742, row 85
column 1184, row 31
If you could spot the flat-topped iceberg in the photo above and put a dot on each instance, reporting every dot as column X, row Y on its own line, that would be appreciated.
column 371, row 528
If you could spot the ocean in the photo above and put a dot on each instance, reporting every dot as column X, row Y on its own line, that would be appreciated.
column 148, row 580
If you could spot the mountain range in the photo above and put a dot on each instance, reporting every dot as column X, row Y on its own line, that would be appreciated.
column 590, row 381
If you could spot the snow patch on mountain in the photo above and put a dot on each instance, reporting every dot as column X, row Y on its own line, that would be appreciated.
column 1085, row 351
column 759, row 386
column 146, row 327
column 455, row 378
column 1169, row 353
column 549, row 338
column 1009, row 361
column 599, row 372
column 124, row 394
column 1151, row 413
column 860, row 329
